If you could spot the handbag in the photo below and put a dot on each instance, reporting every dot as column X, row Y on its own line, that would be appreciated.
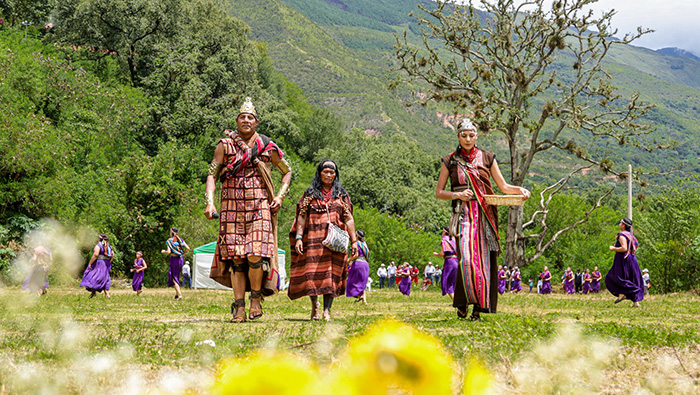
column 336, row 239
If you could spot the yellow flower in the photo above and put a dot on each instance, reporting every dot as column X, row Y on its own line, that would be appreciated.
column 477, row 380
column 393, row 355
column 266, row 373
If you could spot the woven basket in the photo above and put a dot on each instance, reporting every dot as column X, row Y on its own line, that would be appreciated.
column 504, row 200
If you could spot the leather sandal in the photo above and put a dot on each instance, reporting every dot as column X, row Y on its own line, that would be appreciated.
column 461, row 313
column 620, row 298
column 235, row 306
column 475, row 317
column 316, row 312
column 255, row 313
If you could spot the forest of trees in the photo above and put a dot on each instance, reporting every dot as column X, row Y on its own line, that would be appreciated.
column 111, row 115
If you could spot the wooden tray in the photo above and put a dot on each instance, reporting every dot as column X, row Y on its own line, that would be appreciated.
column 504, row 200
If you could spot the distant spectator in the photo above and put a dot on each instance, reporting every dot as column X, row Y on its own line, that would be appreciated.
column 382, row 274
column 186, row 275
column 530, row 283
column 414, row 274
column 391, row 273
column 428, row 272
column 647, row 280
column 437, row 276
column 578, row 280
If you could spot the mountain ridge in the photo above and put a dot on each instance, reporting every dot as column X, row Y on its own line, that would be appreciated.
column 341, row 53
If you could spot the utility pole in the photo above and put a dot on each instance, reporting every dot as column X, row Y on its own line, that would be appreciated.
column 629, row 191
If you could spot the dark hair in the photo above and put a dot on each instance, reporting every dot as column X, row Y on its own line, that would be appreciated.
column 317, row 185
column 103, row 237
column 627, row 223
column 361, row 235
column 174, row 229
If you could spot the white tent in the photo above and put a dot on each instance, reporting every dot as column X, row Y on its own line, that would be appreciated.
column 203, row 257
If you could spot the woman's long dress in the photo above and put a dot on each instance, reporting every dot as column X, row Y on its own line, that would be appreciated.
column 137, row 281
column 97, row 278
column 595, row 282
column 405, row 284
column 450, row 268
column 546, row 284
column 475, row 224
column 625, row 277
column 586, row 284
column 569, row 283
column 318, row 271
column 516, row 282
column 358, row 272
column 501, row 282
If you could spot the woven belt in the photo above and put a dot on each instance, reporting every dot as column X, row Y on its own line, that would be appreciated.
column 102, row 257
column 450, row 256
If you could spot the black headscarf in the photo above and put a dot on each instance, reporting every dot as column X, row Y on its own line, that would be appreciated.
column 317, row 184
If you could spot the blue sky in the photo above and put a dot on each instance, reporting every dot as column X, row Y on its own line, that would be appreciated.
column 675, row 21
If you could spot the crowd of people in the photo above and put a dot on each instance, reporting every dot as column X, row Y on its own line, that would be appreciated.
column 329, row 256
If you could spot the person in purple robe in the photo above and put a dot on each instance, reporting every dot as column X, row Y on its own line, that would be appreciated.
column 501, row 280
column 516, row 287
column 595, row 280
column 96, row 277
column 405, row 274
column 139, row 267
column 451, row 265
column 37, row 280
column 586, row 282
column 358, row 271
column 176, row 248
column 624, row 279
column 569, row 285
column 546, row 281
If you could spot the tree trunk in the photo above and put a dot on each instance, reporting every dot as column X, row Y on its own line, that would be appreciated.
column 515, row 247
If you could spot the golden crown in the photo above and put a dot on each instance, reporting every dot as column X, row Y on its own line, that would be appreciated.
column 248, row 107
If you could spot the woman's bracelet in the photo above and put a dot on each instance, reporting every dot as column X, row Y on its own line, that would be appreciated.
column 299, row 236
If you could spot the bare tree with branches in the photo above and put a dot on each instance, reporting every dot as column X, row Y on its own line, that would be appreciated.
column 534, row 73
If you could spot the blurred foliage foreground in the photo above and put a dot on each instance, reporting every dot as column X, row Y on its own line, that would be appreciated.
column 64, row 342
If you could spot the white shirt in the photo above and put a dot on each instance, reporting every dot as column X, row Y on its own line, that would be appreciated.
column 430, row 269
column 391, row 270
column 381, row 272
column 186, row 270
column 646, row 279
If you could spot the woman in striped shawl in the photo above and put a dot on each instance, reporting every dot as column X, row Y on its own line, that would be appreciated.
column 315, row 269
column 474, row 222
column 176, row 248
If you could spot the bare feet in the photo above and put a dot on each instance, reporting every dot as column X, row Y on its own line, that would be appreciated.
column 327, row 315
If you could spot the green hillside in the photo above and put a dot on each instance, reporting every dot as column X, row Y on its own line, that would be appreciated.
column 341, row 53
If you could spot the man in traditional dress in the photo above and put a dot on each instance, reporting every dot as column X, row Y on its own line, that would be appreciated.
column 246, row 250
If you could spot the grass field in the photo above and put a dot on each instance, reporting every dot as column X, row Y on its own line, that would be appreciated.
column 64, row 342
